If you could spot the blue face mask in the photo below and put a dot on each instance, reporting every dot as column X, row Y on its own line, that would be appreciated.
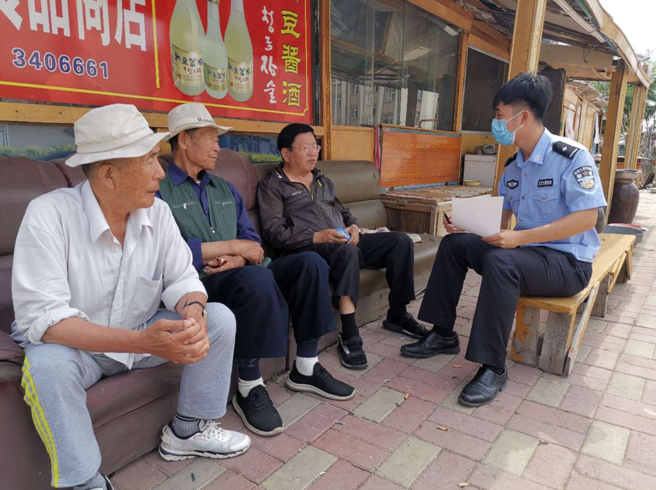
column 500, row 130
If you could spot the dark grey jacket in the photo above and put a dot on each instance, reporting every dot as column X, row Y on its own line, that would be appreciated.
column 291, row 214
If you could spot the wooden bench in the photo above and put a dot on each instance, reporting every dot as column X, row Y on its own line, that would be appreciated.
column 554, row 345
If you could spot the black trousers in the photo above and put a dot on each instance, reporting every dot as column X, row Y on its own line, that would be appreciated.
column 392, row 251
column 507, row 273
column 262, row 300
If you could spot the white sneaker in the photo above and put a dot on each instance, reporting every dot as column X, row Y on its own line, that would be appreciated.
column 211, row 442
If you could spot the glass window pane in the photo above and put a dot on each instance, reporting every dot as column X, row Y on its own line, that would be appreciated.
column 392, row 63
column 366, row 45
column 38, row 142
column 259, row 149
column 430, row 65
column 485, row 76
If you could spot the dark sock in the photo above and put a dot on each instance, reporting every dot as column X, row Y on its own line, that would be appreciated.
column 445, row 333
column 308, row 349
column 395, row 314
column 349, row 327
column 185, row 427
column 250, row 373
column 498, row 370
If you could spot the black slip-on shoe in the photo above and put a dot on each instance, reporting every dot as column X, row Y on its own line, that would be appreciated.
column 483, row 388
column 431, row 345
column 257, row 412
column 408, row 326
column 351, row 354
column 321, row 382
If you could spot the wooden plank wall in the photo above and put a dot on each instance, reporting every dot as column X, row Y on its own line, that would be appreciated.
column 352, row 143
column 415, row 157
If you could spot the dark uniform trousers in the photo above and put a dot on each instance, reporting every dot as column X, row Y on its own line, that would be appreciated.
column 263, row 299
column 507, row 273
column 393, row 251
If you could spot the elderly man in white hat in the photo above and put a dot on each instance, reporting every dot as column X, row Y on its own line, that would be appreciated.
column 92, row 264
column 262, row 294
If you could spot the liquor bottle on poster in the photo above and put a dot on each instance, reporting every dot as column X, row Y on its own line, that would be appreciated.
column 187, row 36
column 215, row 56
column 240, row 54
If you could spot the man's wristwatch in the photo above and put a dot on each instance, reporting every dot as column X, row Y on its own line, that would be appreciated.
column 199, row 304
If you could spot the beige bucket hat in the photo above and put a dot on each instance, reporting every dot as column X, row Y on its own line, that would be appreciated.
column 191, row 116
column 112, row 131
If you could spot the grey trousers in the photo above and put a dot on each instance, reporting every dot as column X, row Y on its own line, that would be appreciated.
column 55, row 378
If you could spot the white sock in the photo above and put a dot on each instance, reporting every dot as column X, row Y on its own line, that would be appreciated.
column 245, row 387
column 305, row 365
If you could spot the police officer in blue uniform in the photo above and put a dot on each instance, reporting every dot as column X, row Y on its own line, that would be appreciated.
column 552, row 188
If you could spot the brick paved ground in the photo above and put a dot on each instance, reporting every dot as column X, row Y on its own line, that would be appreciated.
column 594, row 430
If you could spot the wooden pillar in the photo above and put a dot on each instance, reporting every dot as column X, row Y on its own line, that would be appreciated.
column 460, row 88
column 581, row 129
column 524, row 57
column 634, row 134
column 611, row 146
column 326, row 81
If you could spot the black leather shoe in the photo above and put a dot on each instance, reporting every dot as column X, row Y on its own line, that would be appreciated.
column 408, row 326
column 483, row 388
column 431, row 345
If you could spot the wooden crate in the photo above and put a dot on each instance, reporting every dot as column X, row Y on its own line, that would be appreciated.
column 422, row 210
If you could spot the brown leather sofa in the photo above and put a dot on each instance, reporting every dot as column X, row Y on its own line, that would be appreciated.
column 129, row 410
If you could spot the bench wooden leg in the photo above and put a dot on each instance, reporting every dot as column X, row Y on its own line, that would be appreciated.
column 557, row 336
column 580, row 329
column 524, row 348
column 601, row 303
column 625, row 273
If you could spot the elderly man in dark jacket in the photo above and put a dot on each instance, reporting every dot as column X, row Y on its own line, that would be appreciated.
column 301, row 212
column 262, row 294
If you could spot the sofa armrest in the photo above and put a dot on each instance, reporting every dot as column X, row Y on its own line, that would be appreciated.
column 10, row 351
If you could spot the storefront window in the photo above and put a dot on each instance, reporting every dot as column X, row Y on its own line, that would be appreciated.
column 485, row 76
column 392, row 63
column 259, row 149
column 37, row 142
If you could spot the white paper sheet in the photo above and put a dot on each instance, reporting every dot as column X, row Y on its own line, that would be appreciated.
column 479, row 215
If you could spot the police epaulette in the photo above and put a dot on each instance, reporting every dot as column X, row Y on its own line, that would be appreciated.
column 511, row 159
column 564, row 149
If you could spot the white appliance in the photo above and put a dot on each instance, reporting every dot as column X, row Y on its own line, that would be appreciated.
column 480, row 167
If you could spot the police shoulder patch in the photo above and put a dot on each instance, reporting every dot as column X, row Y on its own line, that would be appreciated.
column 511, row 159
column 585, row 177
column 512, row 184
column 565, row 149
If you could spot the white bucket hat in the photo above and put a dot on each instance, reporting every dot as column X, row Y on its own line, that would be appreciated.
column 191, row 116
column 112, row 131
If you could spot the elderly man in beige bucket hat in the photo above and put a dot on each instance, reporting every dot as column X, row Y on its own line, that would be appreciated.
column 91, row 267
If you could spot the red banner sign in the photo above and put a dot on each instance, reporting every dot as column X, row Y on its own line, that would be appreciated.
column 248, row 59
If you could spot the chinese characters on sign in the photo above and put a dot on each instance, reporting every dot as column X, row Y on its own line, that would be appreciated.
column 245, row 59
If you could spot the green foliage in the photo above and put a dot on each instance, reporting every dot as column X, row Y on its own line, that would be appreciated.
column 262, row 157
column 37, row 153
column 650, row 110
